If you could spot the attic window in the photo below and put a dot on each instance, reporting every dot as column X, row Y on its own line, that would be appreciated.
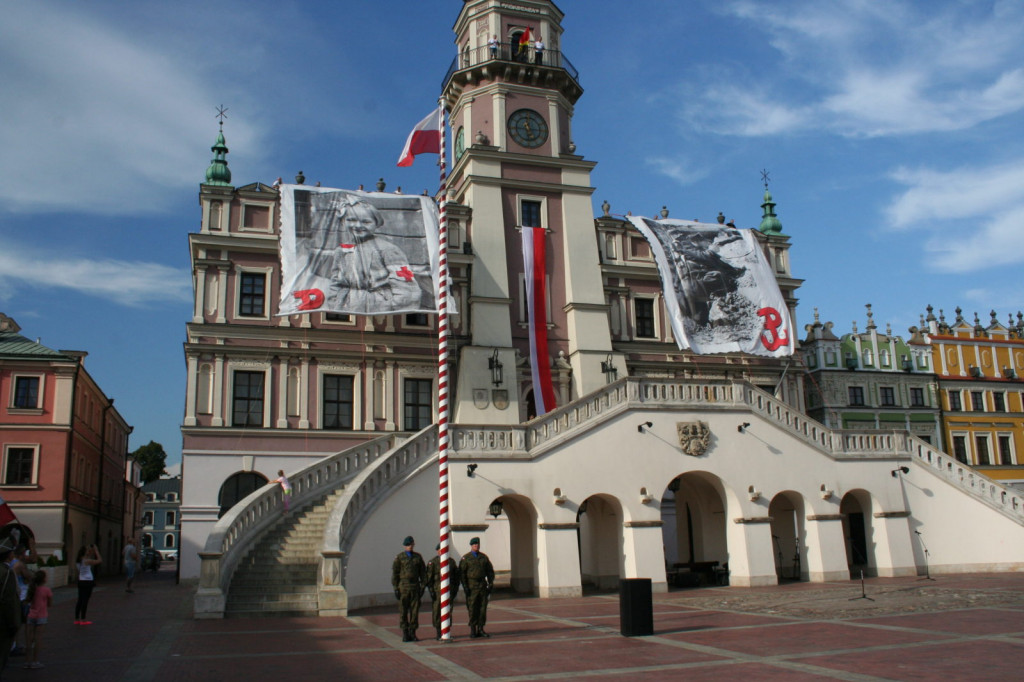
column 256, row 218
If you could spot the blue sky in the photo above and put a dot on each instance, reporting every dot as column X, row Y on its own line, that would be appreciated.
column 891, row 131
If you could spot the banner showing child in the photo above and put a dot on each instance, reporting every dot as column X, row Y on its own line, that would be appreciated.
column 360, row 253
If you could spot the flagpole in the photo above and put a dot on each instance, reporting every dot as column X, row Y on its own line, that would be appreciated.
column 442, row 389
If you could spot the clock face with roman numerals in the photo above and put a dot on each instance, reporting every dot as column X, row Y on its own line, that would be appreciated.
column 528, row 128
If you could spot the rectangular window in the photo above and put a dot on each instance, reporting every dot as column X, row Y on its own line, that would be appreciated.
column 960, row 448
column 1005, row 451
column 169, row 520
column 917, row 397
column 999, row 402
column 644, row 312
column 147, row 518
column 337, row 317
column 248, row 399
column 530, row 213
column 954, row 401
column 338, row 402
column 856, row 395
column 252, row 294
column 977, row 401
column 26, row 392
column 19, row 466
column 981, row 447
column 418, row 404
column 417, row 320
column 888, row 396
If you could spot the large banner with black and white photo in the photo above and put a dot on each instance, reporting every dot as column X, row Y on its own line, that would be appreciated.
column 719, row 289
column 361, row 253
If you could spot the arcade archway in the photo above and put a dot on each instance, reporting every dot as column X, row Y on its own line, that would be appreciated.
column 788, row 535
column 602, row 558
column 694, row 530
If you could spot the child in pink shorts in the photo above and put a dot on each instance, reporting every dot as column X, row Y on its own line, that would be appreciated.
column 39, row 598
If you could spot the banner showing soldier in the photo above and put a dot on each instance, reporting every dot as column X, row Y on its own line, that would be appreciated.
column 361, row 253
column 719, row 289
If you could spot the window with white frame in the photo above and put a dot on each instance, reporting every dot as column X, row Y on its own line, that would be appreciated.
column 960, row 448
column 531, row 212
column 247, row 398
column 644, row 319
column 169, row 541
column 981, row 450
column 252, row 294
column 887, row 395
column 147, row 518
column 955, row 404
column 169, row 518
column 255, row 218
column 417, row 404
column 27, row 393
column 1005, row 442
column 338, row 401
column 20, row 465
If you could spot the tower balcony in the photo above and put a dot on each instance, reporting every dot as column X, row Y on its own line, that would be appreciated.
column 508, row 63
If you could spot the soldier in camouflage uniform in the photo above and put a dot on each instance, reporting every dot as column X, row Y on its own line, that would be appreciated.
column 478, row 581
column 408, row 577
column 434, row 585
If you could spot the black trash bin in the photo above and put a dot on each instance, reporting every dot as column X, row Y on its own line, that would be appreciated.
column 636, row 612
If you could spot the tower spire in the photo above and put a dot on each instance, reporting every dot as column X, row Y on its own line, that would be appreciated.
column 770, row 223
column 218, row 173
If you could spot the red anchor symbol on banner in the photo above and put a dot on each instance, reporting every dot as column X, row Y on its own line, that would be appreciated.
column 311, row 298
column 772, row 337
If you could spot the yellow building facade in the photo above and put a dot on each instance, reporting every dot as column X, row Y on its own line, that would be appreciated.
column 979, row 372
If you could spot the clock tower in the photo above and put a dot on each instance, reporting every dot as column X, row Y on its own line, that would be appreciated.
column 510, row 104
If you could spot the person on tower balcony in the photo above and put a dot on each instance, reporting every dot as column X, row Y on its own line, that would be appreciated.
column 538, row 51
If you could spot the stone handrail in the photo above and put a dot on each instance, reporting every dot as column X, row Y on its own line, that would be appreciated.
column 1008, row 501
column 368, row 488
column 236, row 531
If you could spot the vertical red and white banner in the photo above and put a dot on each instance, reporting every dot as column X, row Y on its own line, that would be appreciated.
column 535, row 271
column 442, row 387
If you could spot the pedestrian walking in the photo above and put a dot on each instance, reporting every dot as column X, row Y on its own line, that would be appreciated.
column 131, row 555
column 88, row 557
column 409, row 578
column 434, row 585
column 478, row 582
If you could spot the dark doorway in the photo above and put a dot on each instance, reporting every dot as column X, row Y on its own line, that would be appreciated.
column 237, row 487
column 858, row 540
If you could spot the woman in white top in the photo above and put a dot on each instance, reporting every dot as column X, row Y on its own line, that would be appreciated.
column 87, row 558
column 286, row 489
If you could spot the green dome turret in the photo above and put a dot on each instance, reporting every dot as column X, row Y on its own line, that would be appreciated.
column 770, row 223
column 218, row 172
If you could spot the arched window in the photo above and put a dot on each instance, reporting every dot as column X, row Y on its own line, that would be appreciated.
column 237, row 487
column 147, row 539
column 169, row 541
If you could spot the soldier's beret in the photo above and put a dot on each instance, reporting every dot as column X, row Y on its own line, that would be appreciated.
column 474, row 541
column 408, row 541
column 437, row 546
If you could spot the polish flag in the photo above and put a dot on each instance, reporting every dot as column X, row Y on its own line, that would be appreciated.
column 535, row 269
column 6, row 513
column 425, row 138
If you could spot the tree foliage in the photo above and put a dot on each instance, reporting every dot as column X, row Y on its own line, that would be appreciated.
column 152, row 458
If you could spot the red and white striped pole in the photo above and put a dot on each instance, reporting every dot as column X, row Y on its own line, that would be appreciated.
column 442, row 390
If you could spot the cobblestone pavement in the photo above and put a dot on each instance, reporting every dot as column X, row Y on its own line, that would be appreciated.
column 956, row 627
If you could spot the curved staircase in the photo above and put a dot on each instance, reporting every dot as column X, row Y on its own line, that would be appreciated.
column 278, row 577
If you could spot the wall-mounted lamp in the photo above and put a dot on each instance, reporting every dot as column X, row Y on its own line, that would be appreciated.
column 742, row 428
column 896, row 472
column 559, row 497
column 645, row 497
column 755, row 495
column 497, row 373
column 471, row 469
column 495, row 509
column 609, row 370
column 826, row 493
column 640, row 428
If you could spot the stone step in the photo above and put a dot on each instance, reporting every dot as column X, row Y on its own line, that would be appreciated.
column 280, row 588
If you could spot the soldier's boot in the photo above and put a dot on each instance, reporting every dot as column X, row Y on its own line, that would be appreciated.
column 405, row 636
column 438, row 634
column 472, row 632
column 413, row 637
column 481, row 633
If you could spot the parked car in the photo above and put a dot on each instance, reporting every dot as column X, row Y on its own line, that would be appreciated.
column 150, row 559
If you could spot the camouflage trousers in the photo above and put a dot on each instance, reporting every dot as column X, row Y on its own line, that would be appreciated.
column 476, row 602
column 409, row 608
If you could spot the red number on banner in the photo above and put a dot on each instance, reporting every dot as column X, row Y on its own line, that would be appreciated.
column 311, row 298
column 772, row 337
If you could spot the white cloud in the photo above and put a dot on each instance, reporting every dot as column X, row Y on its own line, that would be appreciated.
column 97, row 118
column 981, row 244
column 861, row 68
column 128, row 283
column 961, row 194
column 679, row 171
